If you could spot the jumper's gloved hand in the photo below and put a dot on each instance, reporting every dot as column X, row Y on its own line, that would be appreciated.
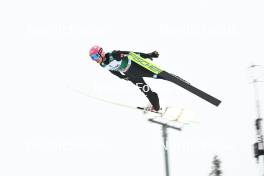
column 118, row 55
column 154, row 54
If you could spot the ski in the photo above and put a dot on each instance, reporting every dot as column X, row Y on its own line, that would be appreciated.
column 171, row 114
column 184, row 84
column 141, row 108
column 172, row 78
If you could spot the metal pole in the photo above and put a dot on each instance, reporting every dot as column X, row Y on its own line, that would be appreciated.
column 258, row 121
column 165, row 141
column 166, row 155
column 259, row 145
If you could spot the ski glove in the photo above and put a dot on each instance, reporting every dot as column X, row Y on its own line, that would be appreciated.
column 118, row 55
column 154, row 54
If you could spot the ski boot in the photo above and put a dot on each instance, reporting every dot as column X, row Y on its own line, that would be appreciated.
column 154, row 100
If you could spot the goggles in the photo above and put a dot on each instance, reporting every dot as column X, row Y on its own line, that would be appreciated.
column 95, row 56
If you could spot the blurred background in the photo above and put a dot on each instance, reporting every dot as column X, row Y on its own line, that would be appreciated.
column 46, row 128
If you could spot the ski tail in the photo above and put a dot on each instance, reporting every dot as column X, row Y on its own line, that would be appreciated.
column 184, row 84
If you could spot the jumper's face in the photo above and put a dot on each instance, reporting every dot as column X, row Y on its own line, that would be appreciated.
column 98, row 57
column 101, row 57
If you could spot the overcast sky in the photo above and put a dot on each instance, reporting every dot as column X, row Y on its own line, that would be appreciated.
column 46, row 128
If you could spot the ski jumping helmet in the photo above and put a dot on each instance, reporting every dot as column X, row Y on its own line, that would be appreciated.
column 95, row 52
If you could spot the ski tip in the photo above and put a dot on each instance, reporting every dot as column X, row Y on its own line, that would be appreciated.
column 217, row 103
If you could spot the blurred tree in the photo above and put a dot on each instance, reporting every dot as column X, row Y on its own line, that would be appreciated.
column 216, row 171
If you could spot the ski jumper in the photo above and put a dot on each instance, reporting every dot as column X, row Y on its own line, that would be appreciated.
column 118, row 64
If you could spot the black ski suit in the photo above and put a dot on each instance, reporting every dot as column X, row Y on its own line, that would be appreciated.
column 135, row 73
